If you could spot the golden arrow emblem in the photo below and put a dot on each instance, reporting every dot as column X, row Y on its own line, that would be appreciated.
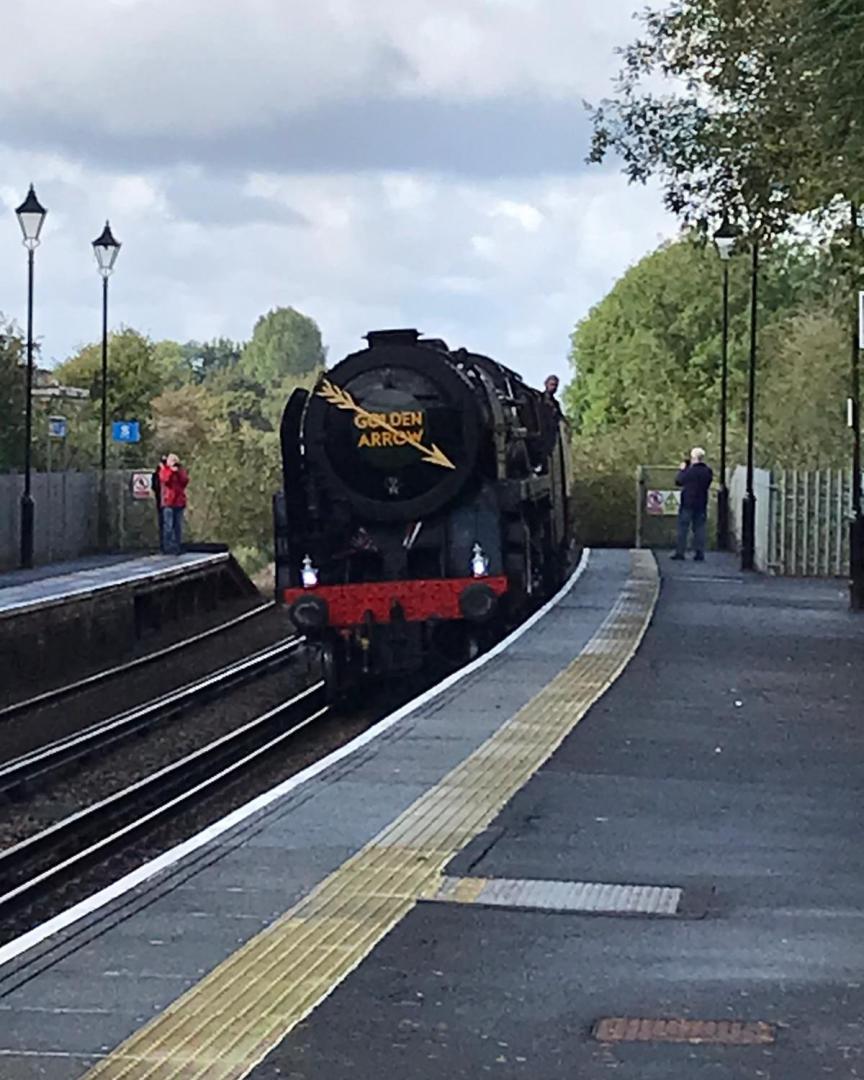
column 335, row 395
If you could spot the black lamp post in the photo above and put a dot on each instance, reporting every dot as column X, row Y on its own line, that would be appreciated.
column 856, row 528
column 724, row 241
column 106, row 249
column 748, row 508
column 31, row 217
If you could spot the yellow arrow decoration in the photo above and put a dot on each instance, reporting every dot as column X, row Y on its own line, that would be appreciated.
column 335, row 395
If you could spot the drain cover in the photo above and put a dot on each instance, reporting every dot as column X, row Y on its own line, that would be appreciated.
column 573, row 896
column 618, row 1029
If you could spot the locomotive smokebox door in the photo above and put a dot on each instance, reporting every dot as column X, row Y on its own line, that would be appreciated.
column 394, row 430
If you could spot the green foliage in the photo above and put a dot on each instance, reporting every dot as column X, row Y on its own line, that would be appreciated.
column 234, row 476
column 766, row 121
column 647, row 359
column 183, row 418
column 137, row 372
column 647, row 371
column 210, row 357
column 239, row 399
column 802, row 408
column 217, row 404
column 224, row 425
column 284, row 342
column 12, row 392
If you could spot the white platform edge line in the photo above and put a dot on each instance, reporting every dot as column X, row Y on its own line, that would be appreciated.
column 15, row 948
column 86, row 591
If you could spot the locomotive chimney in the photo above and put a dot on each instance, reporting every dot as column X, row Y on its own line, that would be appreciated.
column 392, row 337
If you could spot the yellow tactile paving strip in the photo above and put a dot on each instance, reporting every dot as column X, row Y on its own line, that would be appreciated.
column 230, row 1021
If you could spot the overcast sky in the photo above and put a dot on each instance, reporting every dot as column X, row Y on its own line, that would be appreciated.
column 374, row 163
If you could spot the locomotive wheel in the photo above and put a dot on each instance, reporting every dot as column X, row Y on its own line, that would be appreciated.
column 334, row 668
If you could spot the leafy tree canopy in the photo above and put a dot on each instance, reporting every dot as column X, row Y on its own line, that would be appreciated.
column 12, row 392
column 763, row 120
column 647, row 358
column 284, row 342
column 136, row 374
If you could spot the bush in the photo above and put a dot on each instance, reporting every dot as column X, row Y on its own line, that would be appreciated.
column 605, row 509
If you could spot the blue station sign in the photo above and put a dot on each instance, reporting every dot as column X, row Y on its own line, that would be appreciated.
column 126, row 431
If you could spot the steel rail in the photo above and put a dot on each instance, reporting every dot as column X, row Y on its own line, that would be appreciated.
column 59, row 692
column 58, row 754
column 80, row 827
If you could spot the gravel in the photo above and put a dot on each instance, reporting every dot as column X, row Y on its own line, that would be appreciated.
column 39, row 726
column 308, row 746
column 133, row 759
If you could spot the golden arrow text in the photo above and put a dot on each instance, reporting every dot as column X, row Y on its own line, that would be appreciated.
column 335, row 395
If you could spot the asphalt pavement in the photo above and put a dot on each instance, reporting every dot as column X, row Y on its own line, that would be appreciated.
column 728, row 760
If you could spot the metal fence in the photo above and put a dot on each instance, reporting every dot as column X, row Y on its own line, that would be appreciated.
column 762, row 525
column 657, row 500
column 809, row 522
column 66, row 518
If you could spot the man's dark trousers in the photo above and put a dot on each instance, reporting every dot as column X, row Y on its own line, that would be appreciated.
column 688, row 519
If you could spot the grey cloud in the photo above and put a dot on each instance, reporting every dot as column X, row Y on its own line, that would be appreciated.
column 220, row 200
column 502, row 137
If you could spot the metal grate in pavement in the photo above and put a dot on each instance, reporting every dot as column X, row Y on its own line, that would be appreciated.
column 574, row 896
column 618, row 1029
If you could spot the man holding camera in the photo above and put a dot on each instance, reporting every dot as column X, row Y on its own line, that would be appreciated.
column 694, row 478
column 173, row 480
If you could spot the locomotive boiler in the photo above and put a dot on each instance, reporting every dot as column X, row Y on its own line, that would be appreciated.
column 426, row 506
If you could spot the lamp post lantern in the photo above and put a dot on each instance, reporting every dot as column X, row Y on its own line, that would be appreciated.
column 31, row 217
column 106, row 249
column 748, row 508
column 724, row 241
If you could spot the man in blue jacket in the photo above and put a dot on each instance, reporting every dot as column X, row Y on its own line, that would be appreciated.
column 694, row 479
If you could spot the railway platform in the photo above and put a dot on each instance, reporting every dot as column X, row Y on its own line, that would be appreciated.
column 625, row 843
column 95, row 610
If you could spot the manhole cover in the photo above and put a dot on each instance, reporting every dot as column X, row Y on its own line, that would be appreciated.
column 723, row 1032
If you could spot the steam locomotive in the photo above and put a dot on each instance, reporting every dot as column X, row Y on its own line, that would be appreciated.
column 426, row 506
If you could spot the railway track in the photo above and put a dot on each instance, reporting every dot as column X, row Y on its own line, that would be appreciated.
column 59, row 693
column 19, row 774
column 45, row 860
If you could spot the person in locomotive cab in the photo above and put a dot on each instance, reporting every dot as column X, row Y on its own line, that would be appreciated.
column 550, row 417
column 173, row 481
column 694, row 478
column 550, row 389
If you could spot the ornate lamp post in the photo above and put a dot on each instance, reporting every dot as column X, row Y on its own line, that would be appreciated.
column 106, row 249
column 31, row 217
column 748, row 508
column 856, row 527
column 724, row 241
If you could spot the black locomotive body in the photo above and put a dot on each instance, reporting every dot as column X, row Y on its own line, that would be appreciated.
column 426, row 505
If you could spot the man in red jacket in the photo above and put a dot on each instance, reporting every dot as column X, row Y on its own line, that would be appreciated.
column 173, row 479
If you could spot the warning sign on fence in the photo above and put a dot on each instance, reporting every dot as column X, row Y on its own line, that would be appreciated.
column 141, row 485
column 662, row 503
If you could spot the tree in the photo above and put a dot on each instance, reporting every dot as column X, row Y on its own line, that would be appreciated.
column 12, row 393
column 183, row 419
column 239, row 399
column 763, row 119
column 234, row 477
column 176, row 362
column 225, row 428
column 136, row 375
column 647, row 358
column 802, row 411
column 220, row 354
column 284, row 342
